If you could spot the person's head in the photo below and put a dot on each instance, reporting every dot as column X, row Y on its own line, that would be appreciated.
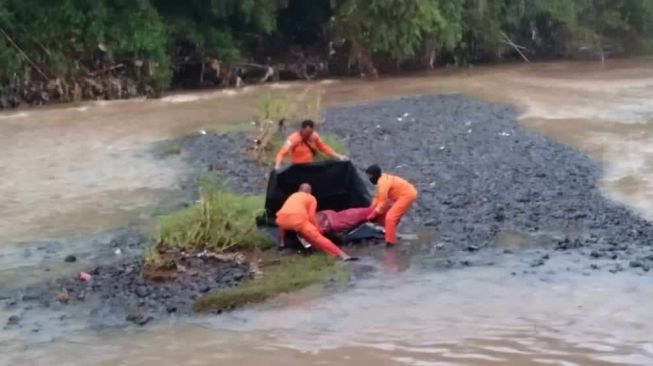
column 305, row 187
column 373, row 173
column 307, row 129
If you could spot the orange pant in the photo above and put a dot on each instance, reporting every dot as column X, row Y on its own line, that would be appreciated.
column 308, row 231
column 394, row 214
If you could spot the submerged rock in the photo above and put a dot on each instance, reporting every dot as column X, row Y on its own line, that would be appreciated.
column 70, row 259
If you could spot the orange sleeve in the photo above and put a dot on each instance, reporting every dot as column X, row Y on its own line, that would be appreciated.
column 381, row 198
column 312, row 209
column 323, row 146
column 285, row 149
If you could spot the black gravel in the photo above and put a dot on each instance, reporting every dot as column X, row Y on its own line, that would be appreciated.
column 479, row 173
column 117, row 293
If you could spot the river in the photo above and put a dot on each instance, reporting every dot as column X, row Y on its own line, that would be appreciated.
column 88, row 167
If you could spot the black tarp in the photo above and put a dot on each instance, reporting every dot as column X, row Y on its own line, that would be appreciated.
column 336, row 186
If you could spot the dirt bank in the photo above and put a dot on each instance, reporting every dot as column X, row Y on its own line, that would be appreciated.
column 479, row 174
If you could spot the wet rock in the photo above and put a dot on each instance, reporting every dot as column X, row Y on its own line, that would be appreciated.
column 538, row 263
column 70, row 259
column 142, row 291
column 139, row 319
column 13, row 320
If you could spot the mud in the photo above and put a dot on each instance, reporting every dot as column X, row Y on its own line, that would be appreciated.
column 480, row 176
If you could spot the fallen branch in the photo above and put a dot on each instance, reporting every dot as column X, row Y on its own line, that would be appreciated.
column 24, row 54
column 114, row 67
column 515, row 46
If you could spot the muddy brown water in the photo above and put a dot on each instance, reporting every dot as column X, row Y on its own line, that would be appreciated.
column 83, row 168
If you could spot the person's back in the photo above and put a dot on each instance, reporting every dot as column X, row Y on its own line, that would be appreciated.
column 298, row 214
column 299, row 203
column 396, row 186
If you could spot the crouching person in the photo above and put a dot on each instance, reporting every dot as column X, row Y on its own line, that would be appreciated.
column 298, row 214
column 394, row 196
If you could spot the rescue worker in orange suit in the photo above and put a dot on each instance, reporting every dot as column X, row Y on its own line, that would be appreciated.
column 394, row 196
column 303, row 145
column 298, row 214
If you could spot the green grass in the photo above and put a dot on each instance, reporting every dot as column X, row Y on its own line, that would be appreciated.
column 229, row 127
column 335, row 144
column 218, row 222
column 172, row 149
column 288, row 274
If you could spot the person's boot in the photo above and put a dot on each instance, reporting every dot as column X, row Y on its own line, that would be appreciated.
column 347, row 258
column 389, row 245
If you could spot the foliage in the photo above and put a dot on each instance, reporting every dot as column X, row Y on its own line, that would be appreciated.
column 218, row 222
column 288, row 274
column 72, row 39
column 397, row 27
column 292, row 109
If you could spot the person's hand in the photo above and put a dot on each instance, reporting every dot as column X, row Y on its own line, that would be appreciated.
column 372, row 215
column 277, row 167
column 343, row 157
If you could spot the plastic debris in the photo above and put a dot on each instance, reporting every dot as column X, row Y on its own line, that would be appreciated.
column 202, row 132
column 118, row 251
column 83, row 276
column 506, row 134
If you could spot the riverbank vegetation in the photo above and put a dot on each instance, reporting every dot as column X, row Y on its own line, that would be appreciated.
column 66, row 50
column 221, row 226
column 285, row 274
column 220, row 221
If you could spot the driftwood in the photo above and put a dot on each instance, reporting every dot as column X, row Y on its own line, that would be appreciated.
column 268, row 132
column 34, row 65
column 517, row 47
column 108, row 69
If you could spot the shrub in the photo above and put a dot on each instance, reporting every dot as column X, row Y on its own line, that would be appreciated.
column 218, row 222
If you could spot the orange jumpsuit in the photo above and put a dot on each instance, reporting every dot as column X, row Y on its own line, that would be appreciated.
column 303, row 151
column 401, row 193
column 298, row 214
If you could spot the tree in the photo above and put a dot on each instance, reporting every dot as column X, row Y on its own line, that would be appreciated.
column 398, row 28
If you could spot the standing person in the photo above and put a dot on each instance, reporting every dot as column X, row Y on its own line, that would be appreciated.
column 303, row 145
column 298, row 214
column 393, row 192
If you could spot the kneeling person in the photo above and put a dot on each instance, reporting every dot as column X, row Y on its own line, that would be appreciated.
column 392, row 191
column 298, row 214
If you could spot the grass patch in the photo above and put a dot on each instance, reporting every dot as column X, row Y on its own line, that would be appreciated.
column 229, row 127
column 220, row 221
column 288, row 274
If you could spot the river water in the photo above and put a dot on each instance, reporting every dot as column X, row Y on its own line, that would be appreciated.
column 85, row 168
